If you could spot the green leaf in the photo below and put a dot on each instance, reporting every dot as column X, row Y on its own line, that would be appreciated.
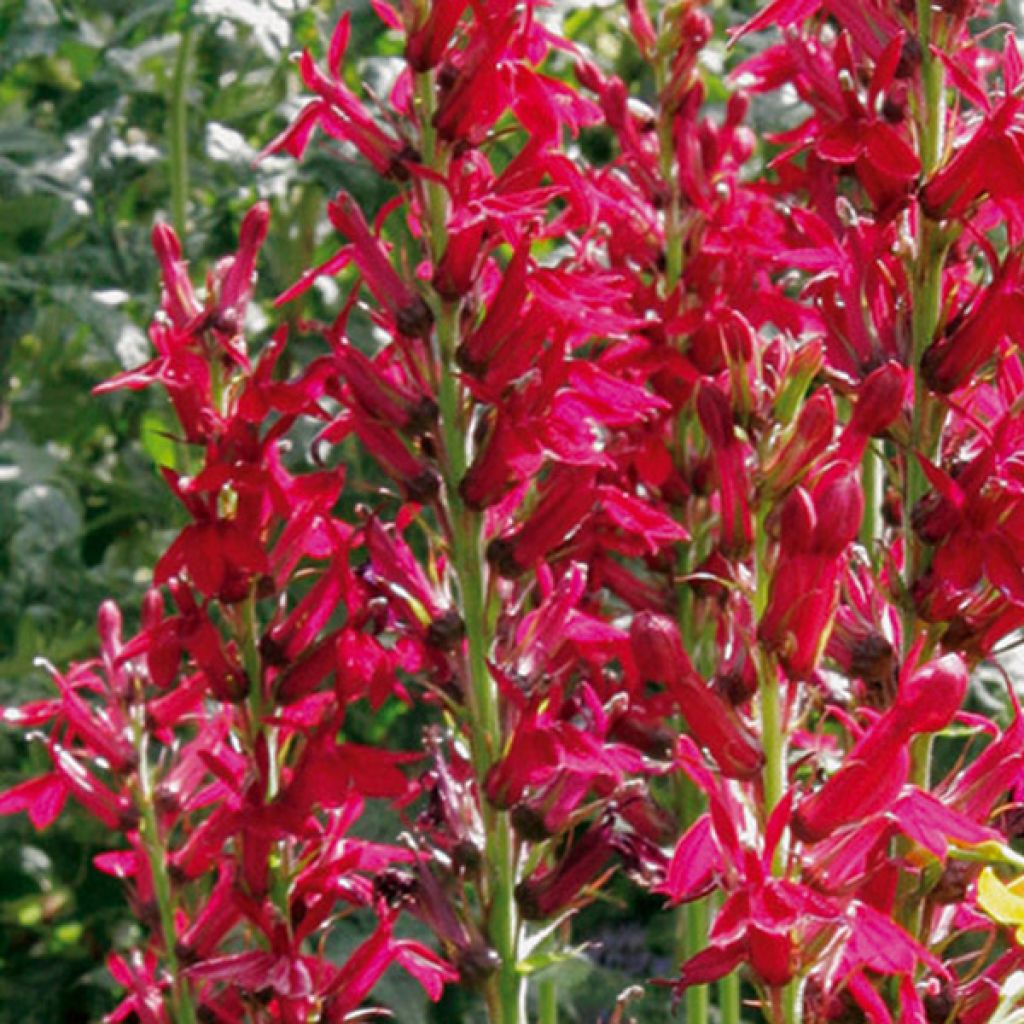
column 158, row 443
column 550, row 959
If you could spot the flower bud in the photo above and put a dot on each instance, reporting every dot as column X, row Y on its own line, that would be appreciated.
column 838, row 507
column 658, row 648
column 810, row 436
column 931, row 696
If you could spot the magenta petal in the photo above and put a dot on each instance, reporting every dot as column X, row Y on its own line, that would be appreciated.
column 711, row 964
column 693, row 865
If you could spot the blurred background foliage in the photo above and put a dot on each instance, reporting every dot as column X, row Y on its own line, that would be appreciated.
column 89, row 91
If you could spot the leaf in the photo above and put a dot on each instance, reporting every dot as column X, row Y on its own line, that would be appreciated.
column 158, row 443
column 550, row 959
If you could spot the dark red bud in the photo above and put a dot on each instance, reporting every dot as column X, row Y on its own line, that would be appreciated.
column 933, row 694
column 658, row 648
column 839, row 508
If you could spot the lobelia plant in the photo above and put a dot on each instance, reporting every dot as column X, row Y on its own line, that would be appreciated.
column 701, row 504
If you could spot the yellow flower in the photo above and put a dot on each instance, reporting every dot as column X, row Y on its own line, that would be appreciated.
column 1003, row 903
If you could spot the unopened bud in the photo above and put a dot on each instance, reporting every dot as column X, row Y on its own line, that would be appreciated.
column 658, row 647
column 838, row 507
column 932, row 695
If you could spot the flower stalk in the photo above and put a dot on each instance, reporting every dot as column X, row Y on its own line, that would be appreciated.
column 693, row 917
column 931, row 245
column 506, row 991
column 177, row 130
column 181, row 1007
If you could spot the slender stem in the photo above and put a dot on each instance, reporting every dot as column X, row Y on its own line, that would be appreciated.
column 932, row 122
column 871, row 484
column 181, row 1009
column 508, row 1006
column 547, row 1002
column 927, row 312
column 177, row 132
column 691, row 925
column 434, row 159
column 773, row 740
column 467, row 559
column 693, row 918
column 506, row 992
column 246, row 635
column 698, row 997
column 774, row 743
column 792, row 1011
column 926, row 317
column 670, row 179
column 926, row 284
column 729, row 999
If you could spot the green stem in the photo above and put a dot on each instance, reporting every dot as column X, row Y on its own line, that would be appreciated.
column 698, row 997
column 432, row 157
column 506, row 992
column 930, row 255
column 927, row 313
column 729, row 999
column 247, row 635
column 773, row 740
column 932, row 122
column 871, row 484
column 774, row 743
column 667, row 167
column 181, row 1009
column 926, row 284
column 547, row 1002
column 177, row 132
column 692, row 919
column 792, row 1011
column 508, row 1002
column 931, row 245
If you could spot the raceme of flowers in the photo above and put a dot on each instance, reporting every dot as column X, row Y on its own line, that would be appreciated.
column 703, row 493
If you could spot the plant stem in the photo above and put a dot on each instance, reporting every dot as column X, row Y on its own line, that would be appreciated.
column 177, row 132
column 932, row 120
column 871, row 486
column 547, row 1002
column 729, row 999
column 691, row 925
column 773, row 740
column 930, row 251
column 247, row 637
column 437, row 221
column 930, row 254
column 774, row 744
column 692, row 918
column 667, row 167
column 506, row 993
column 481, row 693
column 181, row 1009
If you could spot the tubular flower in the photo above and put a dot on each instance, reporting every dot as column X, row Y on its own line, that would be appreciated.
column 815, row 528
column 875, row 770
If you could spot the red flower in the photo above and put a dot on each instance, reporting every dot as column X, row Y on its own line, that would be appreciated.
column 874, row 771
column 814, row 528
column 658, row 650
column 340, row 114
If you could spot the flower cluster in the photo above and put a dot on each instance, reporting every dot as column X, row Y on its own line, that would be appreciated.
column 701, row 504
